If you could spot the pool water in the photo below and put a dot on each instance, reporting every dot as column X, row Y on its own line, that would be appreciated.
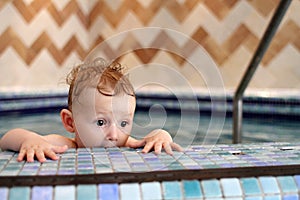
column 183, row 128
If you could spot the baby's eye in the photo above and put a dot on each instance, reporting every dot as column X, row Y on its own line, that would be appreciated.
column 101, row 122
column 124, row 123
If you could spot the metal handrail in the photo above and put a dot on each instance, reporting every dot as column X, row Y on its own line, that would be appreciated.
column 260, row 51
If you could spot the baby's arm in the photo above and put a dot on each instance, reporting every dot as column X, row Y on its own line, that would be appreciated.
column 30, row 144
column 156, row 140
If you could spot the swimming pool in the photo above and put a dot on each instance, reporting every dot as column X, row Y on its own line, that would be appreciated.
column 202, row 171
column 255, row 129
column 268, row 118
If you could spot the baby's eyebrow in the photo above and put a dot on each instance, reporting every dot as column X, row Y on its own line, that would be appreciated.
column 123, row 114
column 127, row 115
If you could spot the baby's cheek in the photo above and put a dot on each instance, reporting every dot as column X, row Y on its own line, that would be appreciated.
column 122, row 140
column 90, row 138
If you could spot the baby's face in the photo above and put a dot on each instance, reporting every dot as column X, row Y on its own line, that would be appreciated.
column 103, row 121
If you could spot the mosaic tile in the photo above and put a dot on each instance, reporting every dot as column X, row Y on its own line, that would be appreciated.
column 19, row 193
column 269, row 185
column 64, row 192
column 297, row 179
column 231, row 187
column 192, row 189
column 84, row 192
column 254, row 198
column 171, row 190
column 130, row 191
column 3, row 193
column 211, row 189
column 291, row 197
column 275, row 197
column 287, row 184
column 42, row 192
column 101, row 160
column 108, row 191
column 250, row 186
column 151, row 191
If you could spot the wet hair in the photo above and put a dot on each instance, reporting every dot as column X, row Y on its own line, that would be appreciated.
column 107, row 78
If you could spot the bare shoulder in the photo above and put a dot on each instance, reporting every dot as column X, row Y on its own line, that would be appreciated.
column 60, row 140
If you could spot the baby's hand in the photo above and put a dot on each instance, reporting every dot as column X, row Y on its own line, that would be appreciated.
column 40, row 148
column 159, row 139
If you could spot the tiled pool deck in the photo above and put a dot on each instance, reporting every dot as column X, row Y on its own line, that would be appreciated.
column 243, row 171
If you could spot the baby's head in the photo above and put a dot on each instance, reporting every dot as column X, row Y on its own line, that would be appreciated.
column 107, row 78
column 101, row 104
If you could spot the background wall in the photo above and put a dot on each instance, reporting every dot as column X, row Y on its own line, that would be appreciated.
column 40, row 40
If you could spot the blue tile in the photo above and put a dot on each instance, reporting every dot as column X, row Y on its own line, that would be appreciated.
column 254, row 198
column 211, row 188
column 86, row 192
column 287, row 184
column 231, row 187
column 19, row 193
column 291, row 197
column 3, row 193
column 172, row 190
column 130, row 191
column 151, row 191
column 64, row 192
column 42, row 192
column 108, row 191
column 269, row 185
column 275, row 197
column 297, row 179
column 250, row 186
column 192, row 189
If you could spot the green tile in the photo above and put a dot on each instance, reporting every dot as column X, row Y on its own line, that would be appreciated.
column 172, row 190
column 211, row 188
column 19, row 193
column 250, row 186
column 287, row 184
column 192, row 189
column 86, row 192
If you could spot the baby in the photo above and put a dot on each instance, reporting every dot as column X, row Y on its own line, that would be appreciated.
column 101, row 106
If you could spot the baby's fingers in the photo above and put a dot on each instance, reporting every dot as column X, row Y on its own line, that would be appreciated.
column 21, row 155
column 40, row 155
column 176, row 147
column 148, row 147
column 168, row 148
column 60, row 149
column 50, row 154
column 30, row 155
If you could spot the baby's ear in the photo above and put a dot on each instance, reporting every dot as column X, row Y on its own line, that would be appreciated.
column 67, row 120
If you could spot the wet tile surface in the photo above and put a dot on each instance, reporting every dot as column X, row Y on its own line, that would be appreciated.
column 115, row 160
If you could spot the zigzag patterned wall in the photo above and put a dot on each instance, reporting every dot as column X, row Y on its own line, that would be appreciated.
column 41, row 39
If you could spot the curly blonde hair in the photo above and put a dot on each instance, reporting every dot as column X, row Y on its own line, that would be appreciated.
column 108, row 78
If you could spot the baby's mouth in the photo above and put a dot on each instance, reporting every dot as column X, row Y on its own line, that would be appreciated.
column 109, row 144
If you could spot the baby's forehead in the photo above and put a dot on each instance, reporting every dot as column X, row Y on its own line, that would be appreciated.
column 120, row 101
column 91, row 102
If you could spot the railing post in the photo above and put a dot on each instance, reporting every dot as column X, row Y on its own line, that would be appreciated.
column 260, row 51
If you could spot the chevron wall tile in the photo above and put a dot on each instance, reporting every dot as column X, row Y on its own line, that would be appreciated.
column 40, row 40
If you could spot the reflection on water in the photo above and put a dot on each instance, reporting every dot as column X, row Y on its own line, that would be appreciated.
column 181, row 127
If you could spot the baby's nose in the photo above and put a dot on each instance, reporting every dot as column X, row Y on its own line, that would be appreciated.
column 112, row 133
